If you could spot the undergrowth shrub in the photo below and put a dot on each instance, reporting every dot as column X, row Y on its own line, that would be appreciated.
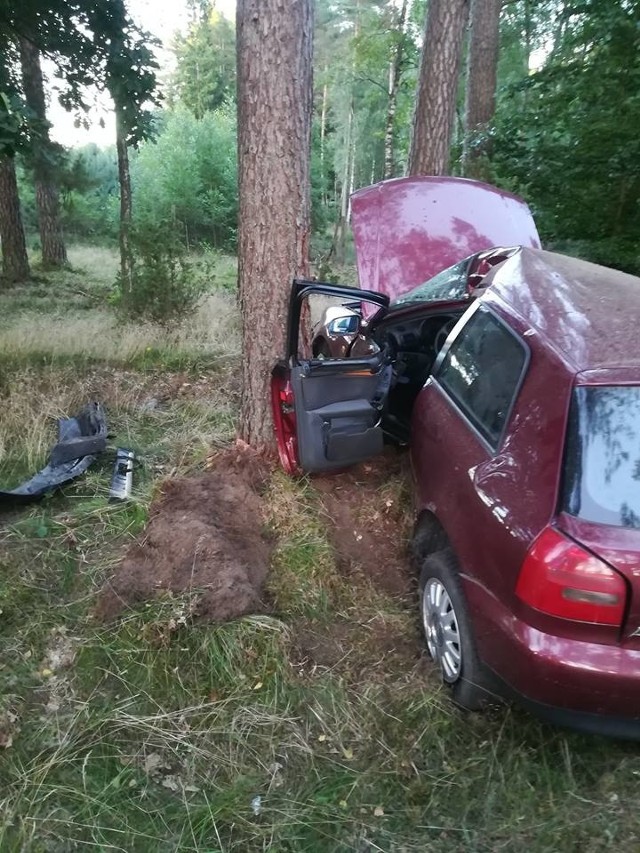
column 165, row 287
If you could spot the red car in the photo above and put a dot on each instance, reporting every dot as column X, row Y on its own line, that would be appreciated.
column 514, row 378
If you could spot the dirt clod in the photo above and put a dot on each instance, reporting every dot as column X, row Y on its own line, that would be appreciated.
column 205, row 536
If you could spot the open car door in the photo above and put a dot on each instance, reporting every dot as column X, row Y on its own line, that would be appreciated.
column 327, row 411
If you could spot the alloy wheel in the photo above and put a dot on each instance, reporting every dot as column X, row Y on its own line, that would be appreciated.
column 441, row 629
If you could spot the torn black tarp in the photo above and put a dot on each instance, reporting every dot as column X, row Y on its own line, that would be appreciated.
column 80, row 439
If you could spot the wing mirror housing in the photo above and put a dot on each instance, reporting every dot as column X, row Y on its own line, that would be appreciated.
column 347, row 325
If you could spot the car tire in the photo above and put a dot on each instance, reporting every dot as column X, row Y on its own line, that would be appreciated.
column 447, row 631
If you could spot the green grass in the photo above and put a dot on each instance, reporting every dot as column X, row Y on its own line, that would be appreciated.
column 158, row 733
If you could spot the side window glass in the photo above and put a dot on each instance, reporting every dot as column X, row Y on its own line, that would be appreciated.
column 481, row 372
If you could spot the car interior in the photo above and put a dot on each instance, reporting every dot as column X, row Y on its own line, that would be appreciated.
column 413, row 345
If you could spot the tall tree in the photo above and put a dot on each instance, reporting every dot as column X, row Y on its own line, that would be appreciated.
column 42, row 157
column 205, row 75
column 396, row 58
column 482, row 69
column 13, row 132
column 129, row 77
column 15, row 265
column 92, row 42
column 274, row 40
column 434, row 114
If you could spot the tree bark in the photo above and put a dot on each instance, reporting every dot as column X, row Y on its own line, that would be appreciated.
column 482, row 71
column 274, row 55
column 54, row 253
column 395, row 72
column 437, row 87
column 15, row 265
column 124, row 180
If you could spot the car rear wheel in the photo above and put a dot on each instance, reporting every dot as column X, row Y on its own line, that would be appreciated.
column 447, row 631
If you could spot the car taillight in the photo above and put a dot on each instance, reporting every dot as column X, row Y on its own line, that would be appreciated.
column 560, row 578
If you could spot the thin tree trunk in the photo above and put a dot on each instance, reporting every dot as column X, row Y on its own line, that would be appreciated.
column 437, row 87
column 124, row 180
column 54, row 253
column 337, row 249
column 274, row 55
column 323, row 136
column 482, row 70
column 15, row 264
column 395, row 72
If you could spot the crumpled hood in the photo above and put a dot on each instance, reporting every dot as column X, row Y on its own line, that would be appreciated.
column 408, row 229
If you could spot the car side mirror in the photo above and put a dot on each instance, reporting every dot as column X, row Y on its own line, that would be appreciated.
column 347, row 325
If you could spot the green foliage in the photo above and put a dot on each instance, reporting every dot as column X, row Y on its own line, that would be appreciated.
column 164, row 287
column 188, row 176
column 205, row 76
column 88, row 182
column 91, row 42
column 567, row 135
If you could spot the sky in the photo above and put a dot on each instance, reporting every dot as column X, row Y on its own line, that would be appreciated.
column 162, row 18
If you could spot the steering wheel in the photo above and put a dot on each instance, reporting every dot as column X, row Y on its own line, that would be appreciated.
column 443, row 334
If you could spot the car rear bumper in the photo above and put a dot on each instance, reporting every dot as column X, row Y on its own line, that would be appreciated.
column 585, row 685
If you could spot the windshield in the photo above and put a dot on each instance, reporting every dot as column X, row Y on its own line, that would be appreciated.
column 447, row 285
column 602, row 461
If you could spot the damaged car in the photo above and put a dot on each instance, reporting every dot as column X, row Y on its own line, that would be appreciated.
column 512, row 376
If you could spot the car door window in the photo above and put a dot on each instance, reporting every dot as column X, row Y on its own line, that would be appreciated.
column 481, row 372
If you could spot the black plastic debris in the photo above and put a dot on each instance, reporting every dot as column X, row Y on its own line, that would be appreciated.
column 80, row 440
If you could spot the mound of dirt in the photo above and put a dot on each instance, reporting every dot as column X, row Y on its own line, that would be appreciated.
column 204, row 535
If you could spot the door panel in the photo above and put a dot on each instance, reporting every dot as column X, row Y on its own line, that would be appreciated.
column 334, row 404
column 338, row 410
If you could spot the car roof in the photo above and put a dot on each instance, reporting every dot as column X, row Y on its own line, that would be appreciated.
column 588, row 313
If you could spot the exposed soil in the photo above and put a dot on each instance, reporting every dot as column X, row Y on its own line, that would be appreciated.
column 370, row 521
column 205, row 534
column 375, row 650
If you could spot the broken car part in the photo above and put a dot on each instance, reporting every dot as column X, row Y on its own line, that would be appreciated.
column 80, row 439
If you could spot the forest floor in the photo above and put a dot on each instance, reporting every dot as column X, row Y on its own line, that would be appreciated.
column 132, row 719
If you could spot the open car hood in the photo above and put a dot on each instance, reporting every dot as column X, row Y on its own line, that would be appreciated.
column 408, row 229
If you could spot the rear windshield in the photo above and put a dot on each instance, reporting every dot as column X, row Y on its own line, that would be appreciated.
column 602, row 460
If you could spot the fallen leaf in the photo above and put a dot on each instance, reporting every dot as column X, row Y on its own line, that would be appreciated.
column 153, row 762
column 322, row 738
column 171, row 783
column 378, row 811
column 258, row 686
column 348, row 753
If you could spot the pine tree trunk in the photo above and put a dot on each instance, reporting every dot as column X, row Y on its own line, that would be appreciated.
column 437, row 87
column 15, row 265
column 482, row 70
column 395, row 72
column 275, row 43
column 124, row 180
column 54, row 253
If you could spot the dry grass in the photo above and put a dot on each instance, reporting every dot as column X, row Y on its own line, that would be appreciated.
column 98, row 334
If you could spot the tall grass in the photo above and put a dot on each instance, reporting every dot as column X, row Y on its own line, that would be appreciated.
column 157, row 733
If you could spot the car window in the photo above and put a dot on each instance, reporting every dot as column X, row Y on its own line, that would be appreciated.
column 602, row 456
column 481, row 372
column 446, row 285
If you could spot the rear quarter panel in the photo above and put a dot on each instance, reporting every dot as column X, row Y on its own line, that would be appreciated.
column 492, row 504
